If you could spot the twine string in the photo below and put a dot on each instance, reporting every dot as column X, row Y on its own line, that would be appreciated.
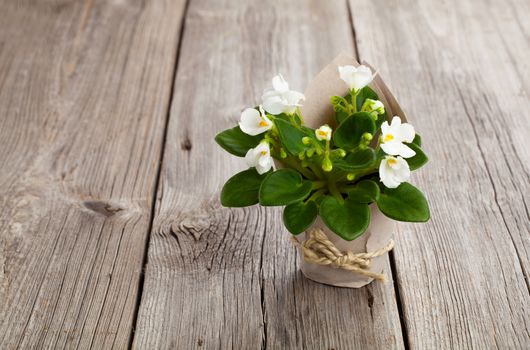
column 318, row 249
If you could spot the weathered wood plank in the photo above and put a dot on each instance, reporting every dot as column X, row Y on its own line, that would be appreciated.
column 221, row 278
column 459, row 69
column 84, row 93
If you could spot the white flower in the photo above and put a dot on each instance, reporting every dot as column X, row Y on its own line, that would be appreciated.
column 374, row 106
column 254, row 122
column 393, row 171
column 393, row 137
column 280, row 99
column 356, row 77
column 323, row 133
column 260, row 158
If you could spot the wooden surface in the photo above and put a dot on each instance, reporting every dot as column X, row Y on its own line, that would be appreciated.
column 84, row 93
column 465, row 95
column 111, row 232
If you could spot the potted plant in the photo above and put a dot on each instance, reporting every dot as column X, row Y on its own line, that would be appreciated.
column 344, row 154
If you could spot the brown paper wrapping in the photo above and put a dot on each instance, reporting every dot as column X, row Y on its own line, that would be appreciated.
column 317, row 111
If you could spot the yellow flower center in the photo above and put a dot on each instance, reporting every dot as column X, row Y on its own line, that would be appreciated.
column 263, row 123
column 322, row 133
column 388, row 137
column 392, row 161
column 263, row 153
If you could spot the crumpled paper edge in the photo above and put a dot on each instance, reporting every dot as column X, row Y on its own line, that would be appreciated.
column 317, row 109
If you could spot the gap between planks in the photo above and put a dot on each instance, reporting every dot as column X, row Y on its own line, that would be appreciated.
column 391, row 257
column 158, row 171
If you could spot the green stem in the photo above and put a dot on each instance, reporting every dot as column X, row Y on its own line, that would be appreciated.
column 299, row 114
column 290, row 164
column 345, row 188
column 293, row 121
column 319, row 173
column 304, row 172
column 319, row 184
column 334, row 191
column 336, row 176
column 354, row 100
column 357, row 176
column 316, row 195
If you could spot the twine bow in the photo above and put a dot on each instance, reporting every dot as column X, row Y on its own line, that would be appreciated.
column 318, row 249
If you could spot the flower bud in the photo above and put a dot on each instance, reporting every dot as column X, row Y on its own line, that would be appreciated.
column 367, row 137
column 373, row 106
column 306, row 140
column 310, row 152
column 337, row 153
column 326, row 165
column 350, row 176
column 282, row 153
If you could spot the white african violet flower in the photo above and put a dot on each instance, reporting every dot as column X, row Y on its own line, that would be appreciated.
column 323, row 133
column 356, row 77
column 254, row 122
column 280, row 99
column 393, row 171
column 260, row 158
column 394, row 135
column 374, row 106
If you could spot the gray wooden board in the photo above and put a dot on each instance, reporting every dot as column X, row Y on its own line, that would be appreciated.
column 85, row 91
column 221, row 278
column 460, row 69
column 84, row 94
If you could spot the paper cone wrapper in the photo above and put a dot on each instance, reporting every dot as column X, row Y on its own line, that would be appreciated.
column 317, row 111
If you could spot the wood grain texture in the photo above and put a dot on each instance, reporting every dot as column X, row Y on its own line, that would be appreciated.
column 221, row 278
column 84, row 93
column 85, row 89
column 460, row 68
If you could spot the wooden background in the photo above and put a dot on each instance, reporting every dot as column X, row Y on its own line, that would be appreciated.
column 111, row 231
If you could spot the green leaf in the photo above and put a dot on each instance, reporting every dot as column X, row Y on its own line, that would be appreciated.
column 417, row 140
column 283, row 187
column 242, row 189
column 359, row 159
column 419, row 159
column 347, row 219
column 299, row 216
column 236, row 141
column 348, row 134
column 366, row 92
column 365, row 191
column 404, row 203
column 290, row 136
